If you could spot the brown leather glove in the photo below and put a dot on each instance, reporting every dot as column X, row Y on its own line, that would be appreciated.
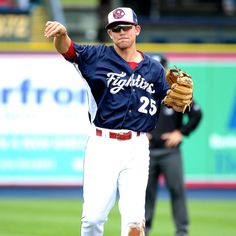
column 179, row 96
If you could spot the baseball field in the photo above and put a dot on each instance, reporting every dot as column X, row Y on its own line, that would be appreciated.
column 61, row 217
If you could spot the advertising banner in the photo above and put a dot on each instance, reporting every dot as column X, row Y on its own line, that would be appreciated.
column 44, row 119
column 15, row 26
column 210, row 152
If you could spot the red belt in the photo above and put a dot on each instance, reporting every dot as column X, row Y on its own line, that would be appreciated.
column 119, row 136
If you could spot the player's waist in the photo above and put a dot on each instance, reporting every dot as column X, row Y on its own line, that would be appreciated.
column 117, row 134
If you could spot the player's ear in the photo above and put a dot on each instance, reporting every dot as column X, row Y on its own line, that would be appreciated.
column 137, row 30
column 109, row 33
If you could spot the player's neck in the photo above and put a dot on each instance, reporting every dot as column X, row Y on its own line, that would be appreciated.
column 130, row 54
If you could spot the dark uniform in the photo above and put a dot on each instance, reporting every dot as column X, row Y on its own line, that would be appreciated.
column 168, row 161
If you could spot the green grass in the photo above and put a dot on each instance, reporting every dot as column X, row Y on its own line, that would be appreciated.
column 61, row 217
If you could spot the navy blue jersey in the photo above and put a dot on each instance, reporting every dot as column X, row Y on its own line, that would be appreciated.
column 120, row 97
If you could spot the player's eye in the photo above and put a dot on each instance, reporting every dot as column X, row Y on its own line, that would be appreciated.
column 118, row 28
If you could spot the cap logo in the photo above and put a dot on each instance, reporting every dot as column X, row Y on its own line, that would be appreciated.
column 118, row 13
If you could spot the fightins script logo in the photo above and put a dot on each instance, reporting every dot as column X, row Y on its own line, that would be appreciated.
column 117, row 84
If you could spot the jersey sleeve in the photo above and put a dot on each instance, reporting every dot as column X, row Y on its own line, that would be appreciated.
column 162, row 86
column 70, row 55
column 85, row 57
column 165, row 85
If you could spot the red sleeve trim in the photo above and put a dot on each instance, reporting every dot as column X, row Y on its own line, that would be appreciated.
column 70, row 54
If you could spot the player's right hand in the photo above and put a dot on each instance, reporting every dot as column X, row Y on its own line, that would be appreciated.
column 54, row 29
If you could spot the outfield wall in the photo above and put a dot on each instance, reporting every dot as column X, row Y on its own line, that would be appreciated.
column 210, row 152
column 44, row 125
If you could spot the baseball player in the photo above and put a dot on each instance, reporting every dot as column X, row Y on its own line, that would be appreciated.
column 125, row 90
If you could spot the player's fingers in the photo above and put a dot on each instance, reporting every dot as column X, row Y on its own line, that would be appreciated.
column 49, row 23
column 51, row 30
column 48, row 27
column 54, row 29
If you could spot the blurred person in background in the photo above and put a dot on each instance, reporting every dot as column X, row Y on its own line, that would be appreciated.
column 7, row 4
column 166, row 159
column 15, row 4
column 23, row 4
column 229, row 7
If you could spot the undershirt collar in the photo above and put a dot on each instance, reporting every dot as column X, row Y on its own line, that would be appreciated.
column 132, row 64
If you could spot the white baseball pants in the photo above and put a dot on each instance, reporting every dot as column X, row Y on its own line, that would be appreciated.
column 114, row 168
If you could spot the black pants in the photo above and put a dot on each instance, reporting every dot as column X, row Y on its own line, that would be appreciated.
column 169, row 163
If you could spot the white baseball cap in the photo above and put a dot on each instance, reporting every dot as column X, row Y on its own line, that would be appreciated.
column 121, row 15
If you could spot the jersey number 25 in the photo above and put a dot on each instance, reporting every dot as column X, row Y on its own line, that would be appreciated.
column 146, row 102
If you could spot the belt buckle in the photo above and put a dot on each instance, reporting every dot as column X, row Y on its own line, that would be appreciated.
column 120, row 135
column 124, row 136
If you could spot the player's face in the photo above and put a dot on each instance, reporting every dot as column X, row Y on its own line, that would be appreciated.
column 124, row 36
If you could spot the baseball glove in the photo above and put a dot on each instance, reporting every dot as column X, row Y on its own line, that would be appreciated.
column 179, row 96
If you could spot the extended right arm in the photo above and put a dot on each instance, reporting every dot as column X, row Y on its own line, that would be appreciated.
column 58, row 31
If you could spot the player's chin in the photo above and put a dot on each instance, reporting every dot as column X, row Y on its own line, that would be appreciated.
column 123, row 44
